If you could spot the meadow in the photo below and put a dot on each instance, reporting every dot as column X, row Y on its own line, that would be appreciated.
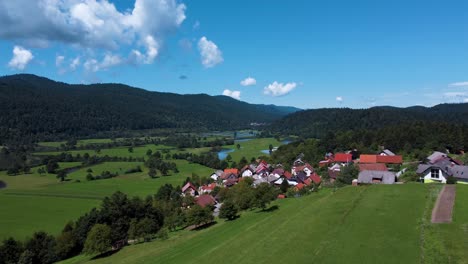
column 367, row 224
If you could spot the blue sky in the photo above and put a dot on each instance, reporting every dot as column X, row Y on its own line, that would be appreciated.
column 308, row 54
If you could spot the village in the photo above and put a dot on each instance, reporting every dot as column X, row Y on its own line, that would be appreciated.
column 382, row 168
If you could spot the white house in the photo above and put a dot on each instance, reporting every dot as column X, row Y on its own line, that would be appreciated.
column 247, row 173
column 439, row 167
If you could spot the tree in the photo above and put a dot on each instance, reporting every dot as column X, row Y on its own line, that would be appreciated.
column 52, row 165
column 61, row 175
column 451, row 180
column 284, row 186
column 90, row 177
column 152, row 173
column 228, row 210
column 199, row 216
column 41, row 171
column 41, row 246
column 238, row 146
column 348, row 174
column 130, row 149
column 10, row 251
column 98, row 240
column 264, row 194
column 229, row 157
column 270, row 147
column 149, row 152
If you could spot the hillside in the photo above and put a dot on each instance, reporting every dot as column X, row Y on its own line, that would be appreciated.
column 36, row 107
column 318, row 122
column 352, row 225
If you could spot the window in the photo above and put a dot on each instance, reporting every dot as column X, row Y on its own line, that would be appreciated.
column 434, row 173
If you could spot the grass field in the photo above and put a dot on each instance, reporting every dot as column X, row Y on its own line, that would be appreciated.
column 374, row 224
column 252, row 148
column 33, row 202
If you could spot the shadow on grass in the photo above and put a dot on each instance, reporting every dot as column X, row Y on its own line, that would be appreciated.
column 201, row 227
column 105, row 255
column 269, row 209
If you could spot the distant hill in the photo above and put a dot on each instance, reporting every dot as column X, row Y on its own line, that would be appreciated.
column 33, row 106
column 318, row 122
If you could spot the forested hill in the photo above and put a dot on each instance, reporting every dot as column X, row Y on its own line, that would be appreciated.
column 37, row 107
column 319, row 122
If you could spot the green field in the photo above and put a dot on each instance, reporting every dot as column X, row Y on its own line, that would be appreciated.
column 252, row 148
column 33, row 202
column 374, row 224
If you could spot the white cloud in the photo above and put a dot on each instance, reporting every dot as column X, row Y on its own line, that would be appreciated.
column 109, row 60
column 455, row 94
column 458, row 84
column 75, row 63
column 465, row 100
column 92, row 24
column 339, row 99
column 248, row 81
column 59, row 60
column 279, row 89
column 233, row 94
column 21, row 58
column 210, row 53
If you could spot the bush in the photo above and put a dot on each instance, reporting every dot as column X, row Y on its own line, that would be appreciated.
column 228, row 210
column 451, row 180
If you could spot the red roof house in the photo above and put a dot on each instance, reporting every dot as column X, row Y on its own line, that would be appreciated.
column 397, row 159
column 373, row 167
column 364, row 158
column 299, row 186
column 189, row 189
column 234, row 171
column 205, row 200
column 343, row 157
column 315, row 178
column 287, row 174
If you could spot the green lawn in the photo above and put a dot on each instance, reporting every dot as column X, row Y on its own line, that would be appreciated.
column 252, row 148
column 33, row 202
column 374, row 224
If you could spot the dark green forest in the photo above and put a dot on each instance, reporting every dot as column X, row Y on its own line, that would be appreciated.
column 36, row 108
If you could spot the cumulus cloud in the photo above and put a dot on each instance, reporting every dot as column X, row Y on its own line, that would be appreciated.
column 279, row 89
column 109, row 60
column 92, row 24
column 339, row 99
column 248, row 81
column 458, row 84
column 75, row 63
column 210, row 53
column 233, row 94
column 21, row 58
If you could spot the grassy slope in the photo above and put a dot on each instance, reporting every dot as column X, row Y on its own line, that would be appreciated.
column 377, row 224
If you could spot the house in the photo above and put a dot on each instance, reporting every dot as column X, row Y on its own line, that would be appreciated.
column 372, row 177
column 372, row 167
column 189, row 189
column 216, row 175
column 439, row 167
column 387, row 152
column 366, row 158
column 343, row 157
column 299, row 186
column 231, row 171
column 205, row 200
column 207, row 188
column 247, row 171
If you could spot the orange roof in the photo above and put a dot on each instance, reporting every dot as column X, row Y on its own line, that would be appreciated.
column 381, row 159
column 343, row 157
column 300, row 186
column 287, row 174
column 235, row 171
column 315, row 178
column 397, row 159
column 281, row 196
column 368, row 158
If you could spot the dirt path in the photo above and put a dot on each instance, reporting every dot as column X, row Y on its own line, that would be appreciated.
column 442, row 212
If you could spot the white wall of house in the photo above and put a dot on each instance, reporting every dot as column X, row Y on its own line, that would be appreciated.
column 247, row 173
column 214, row 176
column 430, row 176
column 307, row 172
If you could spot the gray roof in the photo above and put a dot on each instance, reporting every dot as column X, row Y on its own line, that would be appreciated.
column 388, row 152
column 386, row 177
column 448, row 168
column 436, row 156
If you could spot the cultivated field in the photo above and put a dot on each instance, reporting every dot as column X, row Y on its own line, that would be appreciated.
column 374, row 224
